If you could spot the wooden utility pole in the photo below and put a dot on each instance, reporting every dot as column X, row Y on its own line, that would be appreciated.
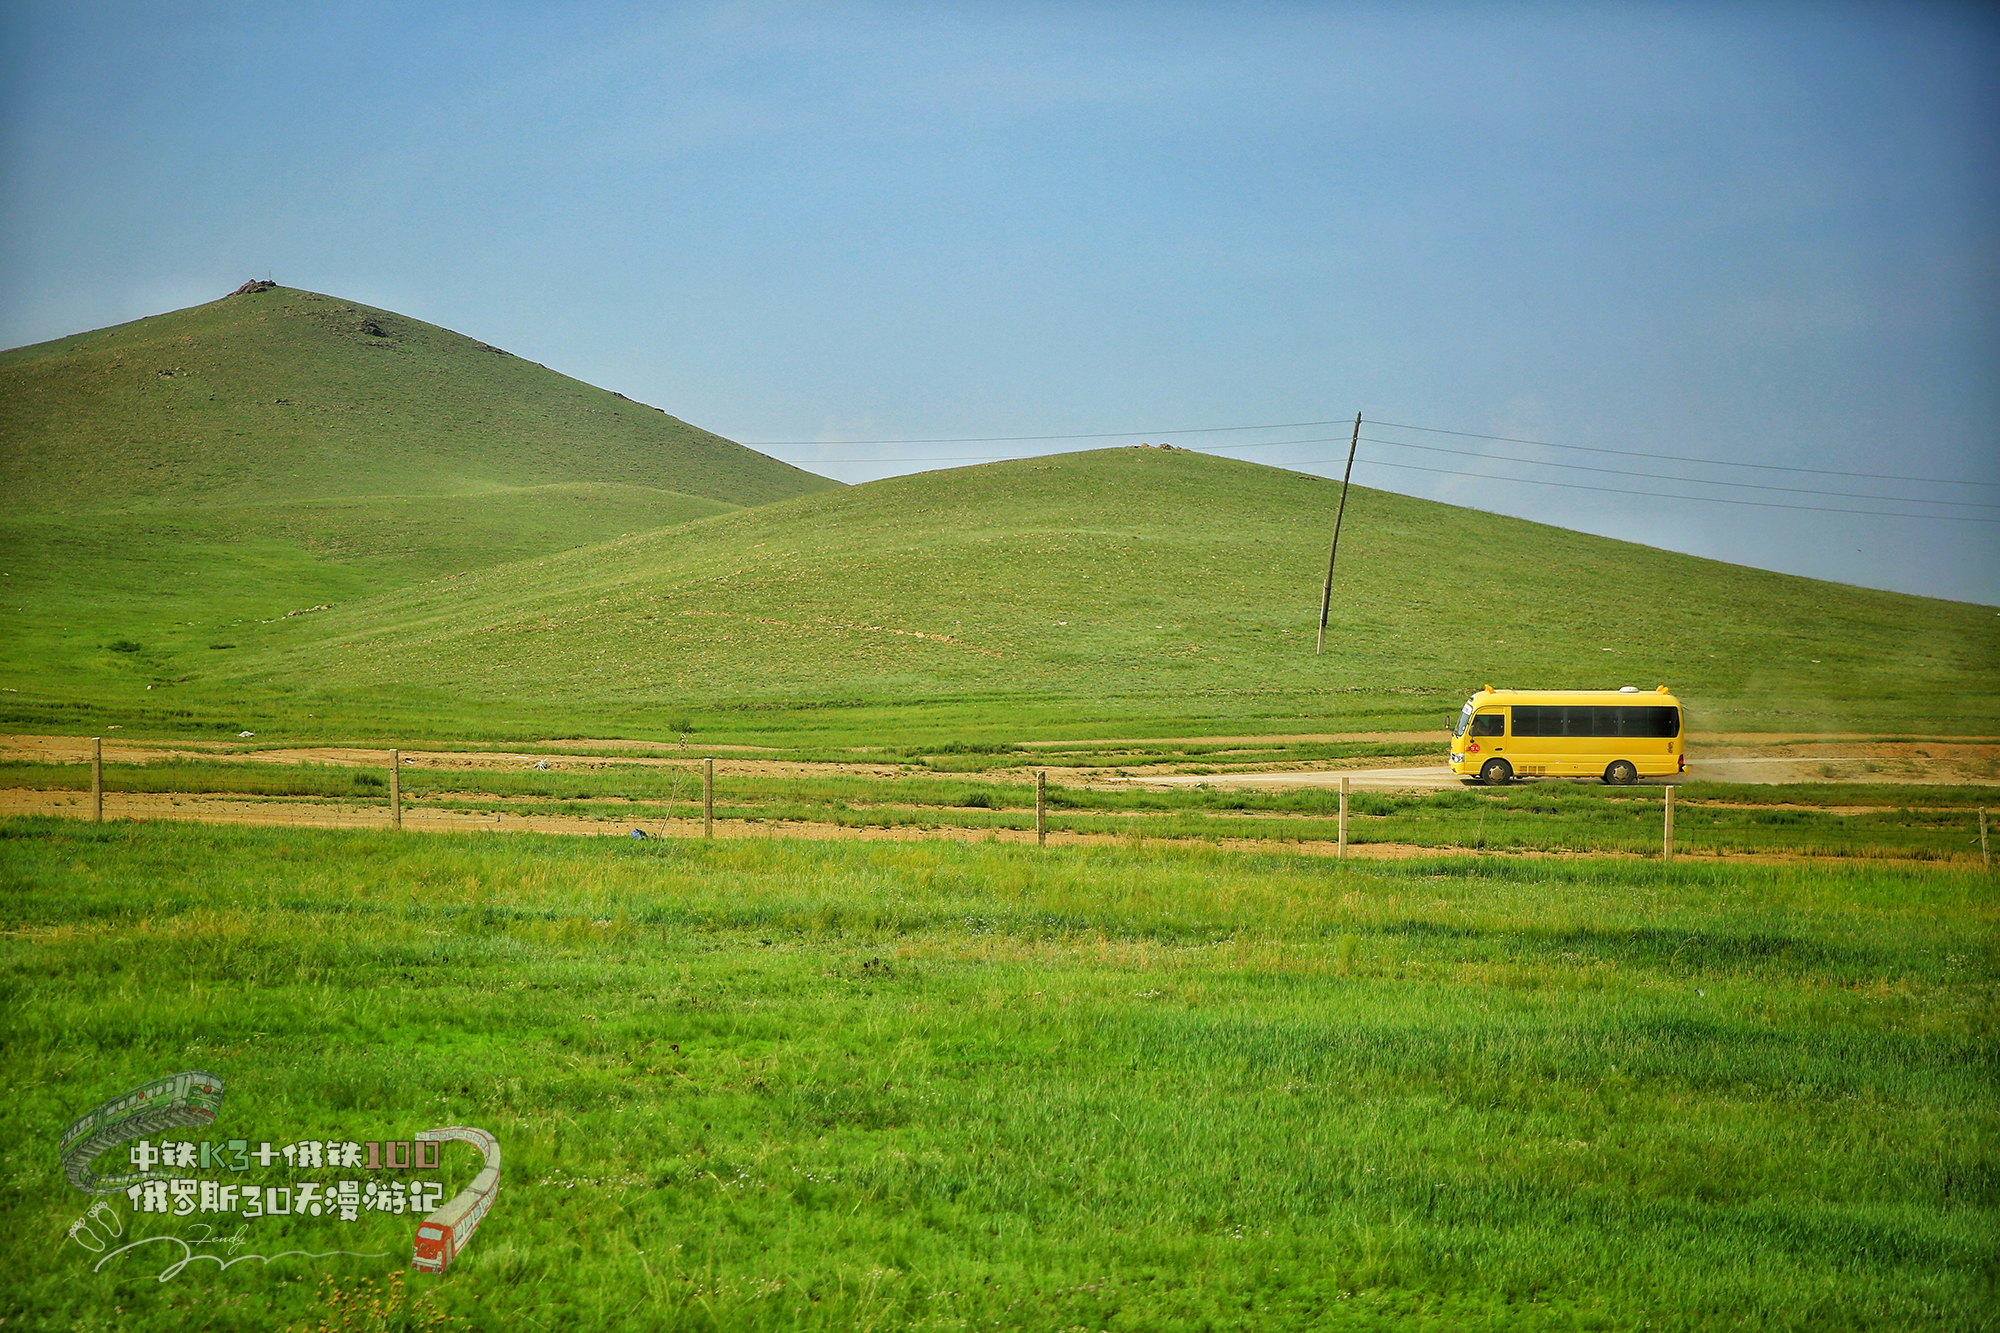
column 395, row 789
column 1667, row 849
column 1326, row 597
column 1042, row 807
column 708, row 798
column 1343, row 817
column 97, row 781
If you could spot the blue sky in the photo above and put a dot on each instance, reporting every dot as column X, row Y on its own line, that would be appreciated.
column 1757, row 234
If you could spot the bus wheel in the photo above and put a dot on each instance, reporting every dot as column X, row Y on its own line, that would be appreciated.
column 1621, row 773
column 1496, row 773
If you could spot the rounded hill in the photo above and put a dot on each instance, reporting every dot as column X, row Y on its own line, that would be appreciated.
column 280, row 395
column 1136, row 582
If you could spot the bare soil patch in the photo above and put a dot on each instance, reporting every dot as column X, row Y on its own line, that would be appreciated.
column 1719, row 757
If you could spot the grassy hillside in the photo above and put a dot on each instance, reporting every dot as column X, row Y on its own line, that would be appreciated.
column 1129, row 591
column 282, row 395
column 279, row 450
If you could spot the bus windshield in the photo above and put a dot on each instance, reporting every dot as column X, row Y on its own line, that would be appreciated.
column 1458, row 728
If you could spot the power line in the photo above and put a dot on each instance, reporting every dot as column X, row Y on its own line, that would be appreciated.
column 1684, row 458
column 1500, row 458
column 1655, row 495
column 1300, row 425
column 1691, row 481
column 1621, row 472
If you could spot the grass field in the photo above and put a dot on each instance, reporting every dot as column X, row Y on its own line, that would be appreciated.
column 786, row 1084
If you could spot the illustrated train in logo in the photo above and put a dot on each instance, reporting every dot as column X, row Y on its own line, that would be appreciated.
column 178, row 1101
column 446, row 1232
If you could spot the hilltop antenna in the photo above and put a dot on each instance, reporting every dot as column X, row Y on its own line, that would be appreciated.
column 1326, row 597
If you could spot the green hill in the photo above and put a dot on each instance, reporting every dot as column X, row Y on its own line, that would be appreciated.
column 280, row 396
column 1127, row 591
column 280, row 449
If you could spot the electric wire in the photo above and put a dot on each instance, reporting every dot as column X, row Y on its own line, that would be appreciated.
column 1362, row 461
column 1685, row 458
column 1690, row 481
column 1463, row 453
column 1652, row 495
column 1300, row 425
column 1622, row 472
column 1508, row 458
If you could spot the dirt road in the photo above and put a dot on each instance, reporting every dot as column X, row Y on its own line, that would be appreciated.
column 1746, row 759
column 1717, row 757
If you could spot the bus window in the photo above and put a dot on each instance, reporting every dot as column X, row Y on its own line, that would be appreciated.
column 1490, row 724
column 1654, row 721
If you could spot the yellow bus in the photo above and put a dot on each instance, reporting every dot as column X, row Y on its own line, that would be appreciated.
column 1618, row 735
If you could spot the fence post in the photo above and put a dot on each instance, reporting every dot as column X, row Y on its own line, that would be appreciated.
column 97, row 779
column 708, row 798
column 1343, row 817
column 1667, row 847
column 1042, row 807
column 395, row 789
column 1984, row 859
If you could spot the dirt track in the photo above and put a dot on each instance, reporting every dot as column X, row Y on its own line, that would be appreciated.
column 1739, row 759
column 1747, row 758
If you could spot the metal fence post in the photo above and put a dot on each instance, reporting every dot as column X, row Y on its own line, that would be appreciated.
column 1042, row 808
column 708, row 798
column 395, row 789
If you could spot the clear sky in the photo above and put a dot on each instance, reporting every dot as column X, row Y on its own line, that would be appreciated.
column 1754, row 234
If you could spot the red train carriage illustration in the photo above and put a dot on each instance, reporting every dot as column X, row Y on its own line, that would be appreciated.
column 442, row 1235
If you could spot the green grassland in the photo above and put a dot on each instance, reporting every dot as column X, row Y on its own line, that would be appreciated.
column 1118, row 592
column 275, row 451
column 789, row 1084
